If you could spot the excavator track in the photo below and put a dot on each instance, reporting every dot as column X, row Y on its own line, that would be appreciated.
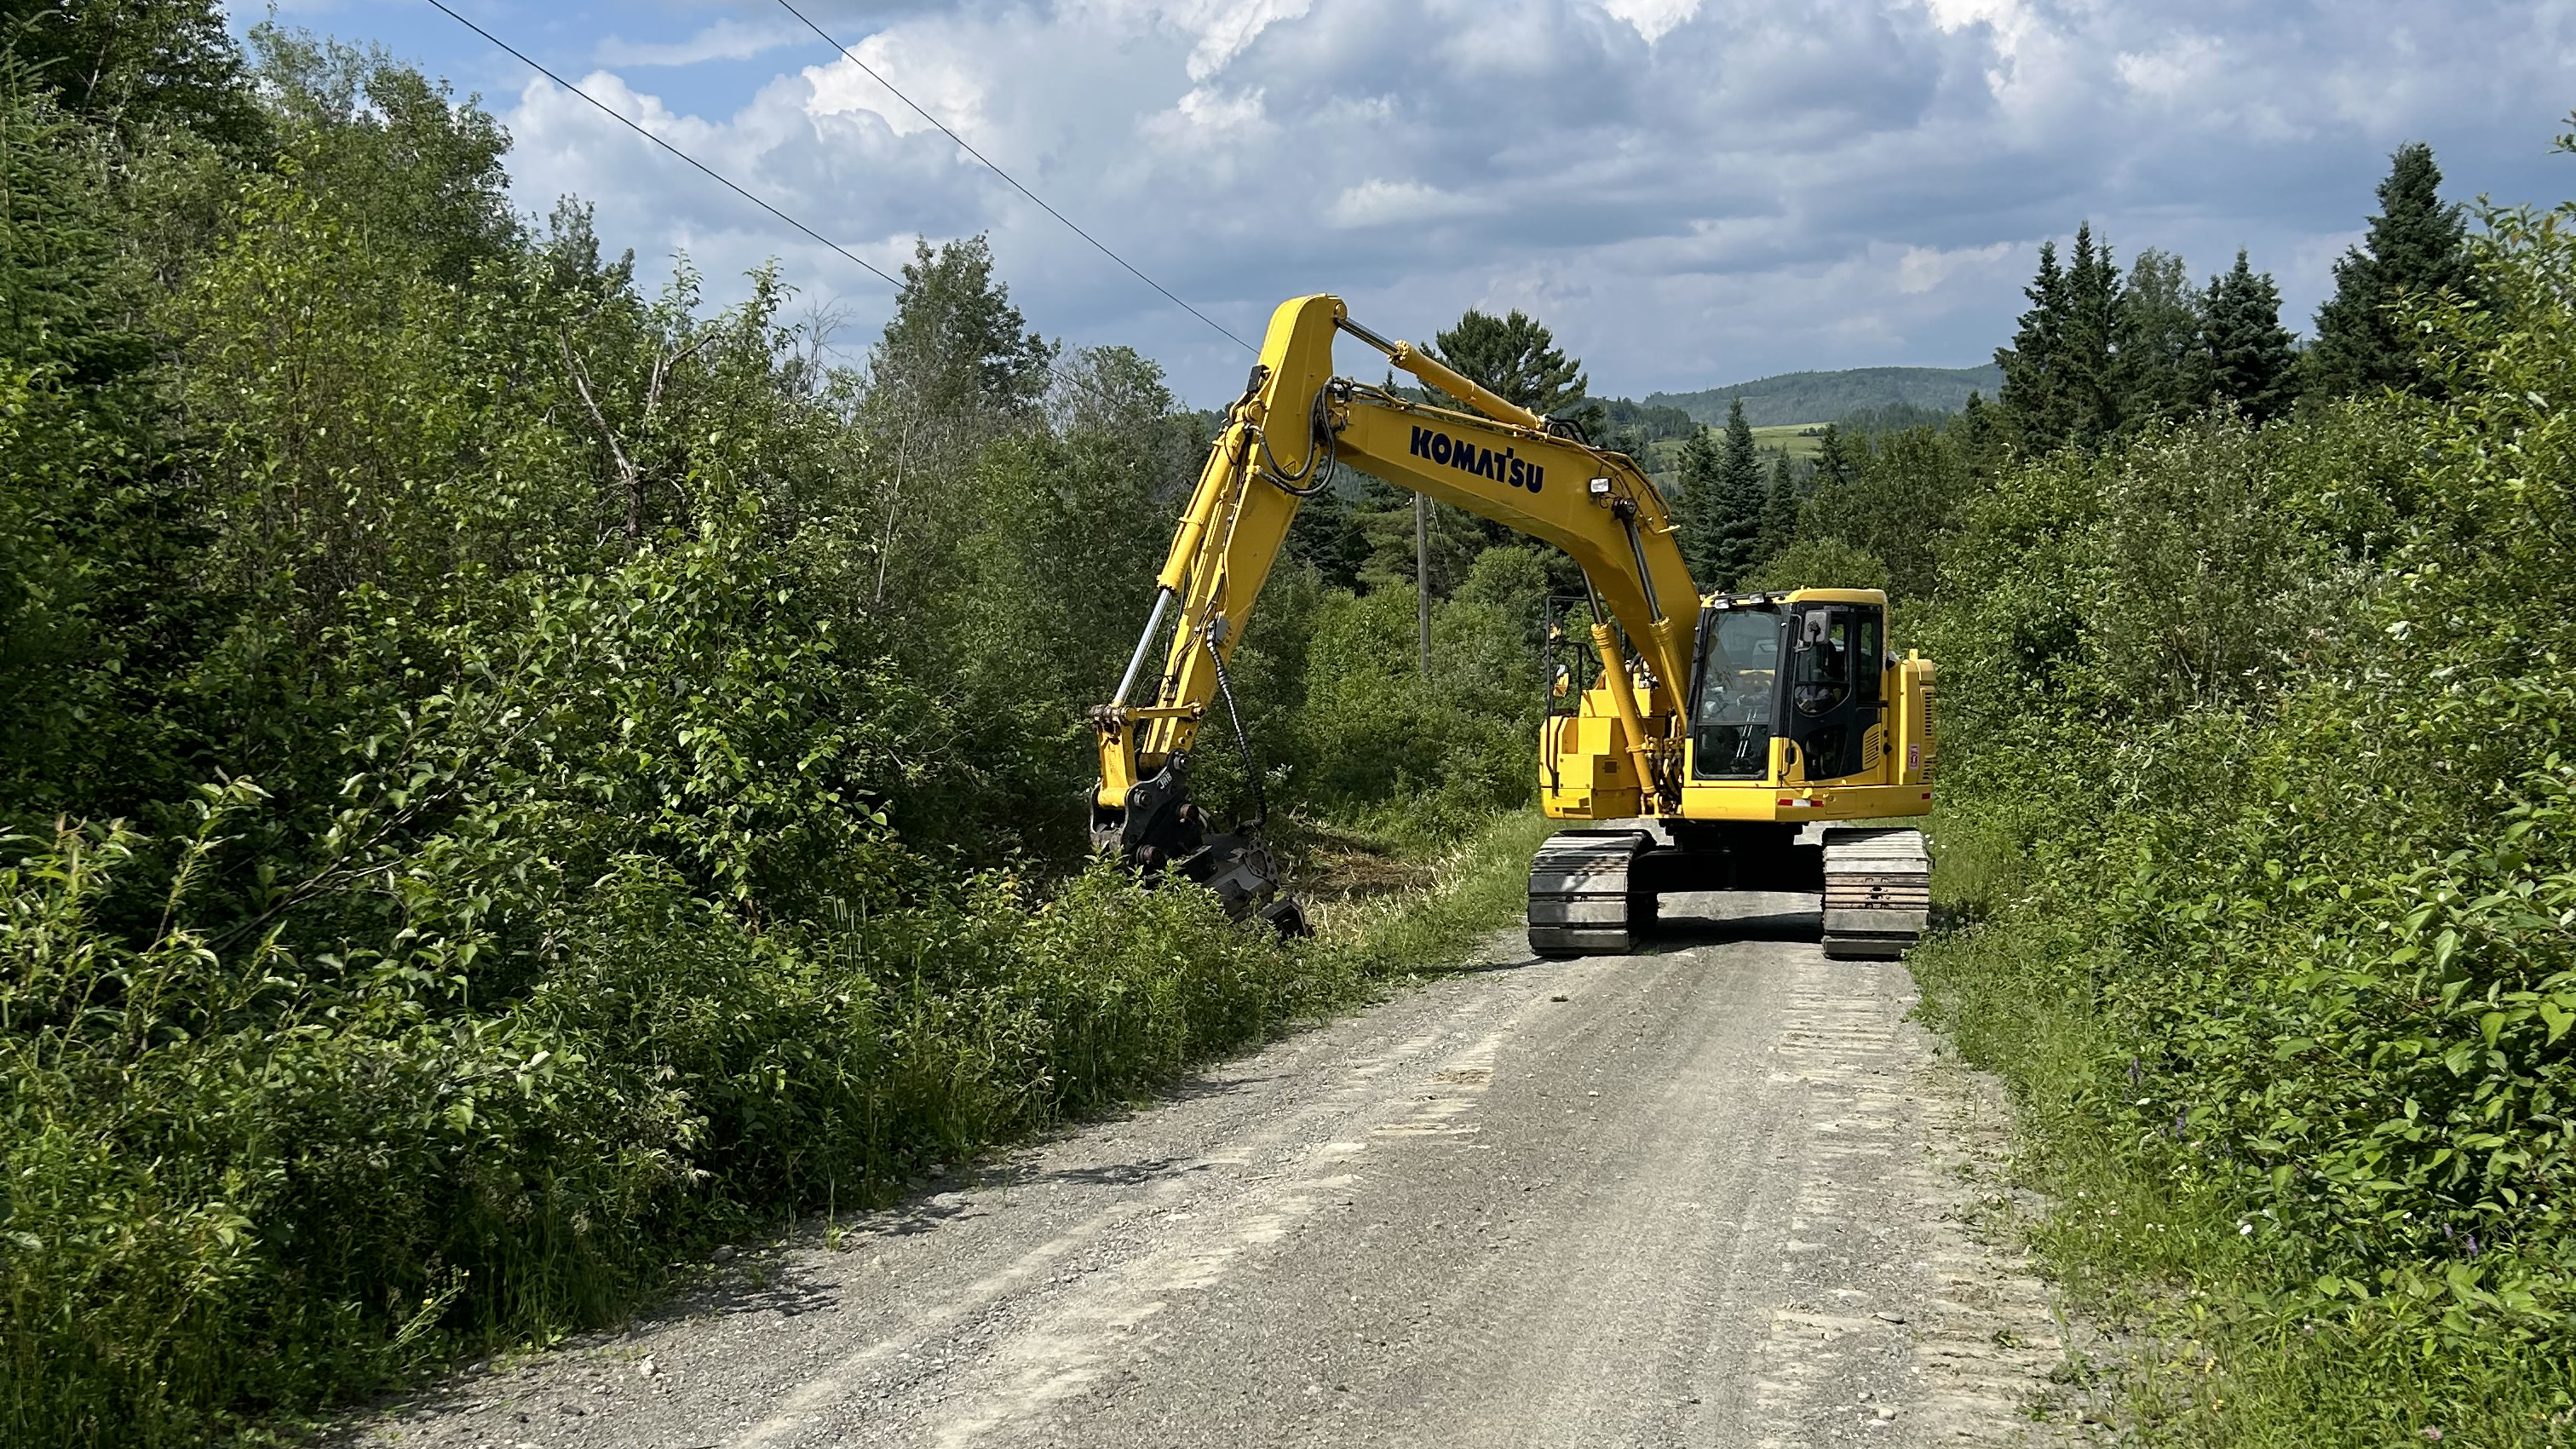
column 1878, row 892
column 1582, row 896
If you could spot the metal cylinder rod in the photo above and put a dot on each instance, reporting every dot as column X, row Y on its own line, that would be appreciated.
column 1446, row 378
column 1136, row 664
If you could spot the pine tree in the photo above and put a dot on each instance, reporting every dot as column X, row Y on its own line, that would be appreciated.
column 1516, row 357
column 2415, row 245
column 1700, row 464
column 1779, row 511
column 1736, row 502
column 2249, row 355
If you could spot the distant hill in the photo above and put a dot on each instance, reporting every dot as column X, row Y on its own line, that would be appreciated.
column 1824, row 397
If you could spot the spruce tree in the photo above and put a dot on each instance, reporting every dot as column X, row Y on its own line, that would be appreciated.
column 2094, row 307
column 2415, row 245
column 1834, row 462
column 2027, row 405
column 1699, row 469
column 1331, row 536
column 2249, row 355
column 2059, row 386
column 141, row 65
column 1779, row 511
column 1735, row 524
column 1975, row 435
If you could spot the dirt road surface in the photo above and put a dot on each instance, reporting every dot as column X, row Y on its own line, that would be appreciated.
column 1717, row 1193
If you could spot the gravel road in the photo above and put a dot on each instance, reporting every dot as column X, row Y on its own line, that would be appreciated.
column 1717, row 1193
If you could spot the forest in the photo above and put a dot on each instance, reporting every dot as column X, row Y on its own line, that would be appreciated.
column 513, row 774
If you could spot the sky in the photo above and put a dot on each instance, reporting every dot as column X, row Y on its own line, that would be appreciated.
column 1688, row 192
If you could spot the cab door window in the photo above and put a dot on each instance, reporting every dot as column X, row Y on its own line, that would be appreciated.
column 1837, row 653
column 1824, row 662
column 1869, row 659
column 1739, row 667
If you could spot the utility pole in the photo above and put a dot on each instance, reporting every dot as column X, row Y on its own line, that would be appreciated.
column 1422, row 575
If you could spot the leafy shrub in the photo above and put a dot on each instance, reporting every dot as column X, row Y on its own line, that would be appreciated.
column 1820, row 563
column 2271, row 725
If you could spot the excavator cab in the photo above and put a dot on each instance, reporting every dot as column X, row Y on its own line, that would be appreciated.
column 1811, row 673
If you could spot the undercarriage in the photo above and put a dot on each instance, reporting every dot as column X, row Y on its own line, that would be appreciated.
column 1595, row 892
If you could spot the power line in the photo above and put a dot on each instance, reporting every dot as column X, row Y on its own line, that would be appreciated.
column 711, row 173
column 998, row 171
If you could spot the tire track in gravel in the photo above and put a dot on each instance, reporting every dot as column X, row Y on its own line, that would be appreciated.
column 1706, row 1194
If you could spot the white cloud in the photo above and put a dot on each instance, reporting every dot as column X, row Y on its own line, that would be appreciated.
column 724, row 40
column 1205, row 118
column 2185, row 64
column 935, row 77
column 1686, row 190
column 1375, row 202
column 1226, row 28
column 1923, row 268
column 1652, row 17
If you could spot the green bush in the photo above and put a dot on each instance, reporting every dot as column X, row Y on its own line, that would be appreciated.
column 240, row 1181
column 2255, row 752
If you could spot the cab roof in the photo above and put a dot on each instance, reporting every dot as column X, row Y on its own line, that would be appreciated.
column 1773, row 598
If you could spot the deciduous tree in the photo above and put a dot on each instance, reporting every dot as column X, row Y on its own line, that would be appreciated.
column 2160, row 369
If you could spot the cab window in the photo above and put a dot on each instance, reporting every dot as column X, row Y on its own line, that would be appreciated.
column 1739, row 672
column 1824, row 673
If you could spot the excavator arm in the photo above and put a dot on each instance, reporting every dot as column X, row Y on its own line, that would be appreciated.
column 1282, row 441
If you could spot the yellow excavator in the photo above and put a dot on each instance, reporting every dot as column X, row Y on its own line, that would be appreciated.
column 1714, row 749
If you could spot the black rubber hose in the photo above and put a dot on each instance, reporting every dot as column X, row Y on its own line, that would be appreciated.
column 1243, row 742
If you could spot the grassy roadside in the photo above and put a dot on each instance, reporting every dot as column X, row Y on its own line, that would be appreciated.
column 2220, row 1340
column 1470, row 889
